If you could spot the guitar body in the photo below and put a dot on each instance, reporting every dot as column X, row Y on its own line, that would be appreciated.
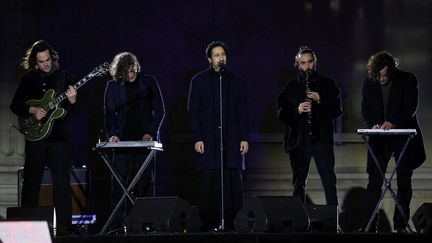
column 35, row 130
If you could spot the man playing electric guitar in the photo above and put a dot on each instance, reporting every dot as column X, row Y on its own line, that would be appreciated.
column 42, row 74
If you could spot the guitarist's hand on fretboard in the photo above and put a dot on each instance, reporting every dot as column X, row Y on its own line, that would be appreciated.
column 38, row 112
column 71, row 94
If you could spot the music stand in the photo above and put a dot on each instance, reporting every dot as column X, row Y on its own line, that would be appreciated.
column 101, row 147
column 410, row 133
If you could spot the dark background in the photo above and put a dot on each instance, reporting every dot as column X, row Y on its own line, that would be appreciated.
column 169, row 38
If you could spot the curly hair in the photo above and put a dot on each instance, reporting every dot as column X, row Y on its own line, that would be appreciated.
column 121, row 64
column 379, row 61
column 29, row 60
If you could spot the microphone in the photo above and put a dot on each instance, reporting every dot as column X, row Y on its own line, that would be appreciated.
column 221, row 66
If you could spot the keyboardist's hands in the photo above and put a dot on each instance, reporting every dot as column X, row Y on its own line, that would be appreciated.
column 385, row 126
column 114, row 139
column 147, row 137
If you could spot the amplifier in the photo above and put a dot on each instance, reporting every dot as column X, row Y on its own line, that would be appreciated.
column 79, row 187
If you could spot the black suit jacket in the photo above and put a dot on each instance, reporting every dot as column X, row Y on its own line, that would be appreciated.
column 401, row 111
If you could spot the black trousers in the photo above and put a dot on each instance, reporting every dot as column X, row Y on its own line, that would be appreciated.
column 127, row 165
column 383, row 150
column 55, row 155
column 210, row 198
column 323, row 155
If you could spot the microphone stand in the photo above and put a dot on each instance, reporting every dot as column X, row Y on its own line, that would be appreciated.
column 222, row 222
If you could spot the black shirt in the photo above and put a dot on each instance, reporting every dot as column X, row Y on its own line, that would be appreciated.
column 385, row 90
column 133, row 128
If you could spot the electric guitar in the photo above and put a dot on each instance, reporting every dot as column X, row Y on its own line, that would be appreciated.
column 34, row 129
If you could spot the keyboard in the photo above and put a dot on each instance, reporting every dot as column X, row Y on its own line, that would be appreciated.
column 387, row 132
column 130, row 144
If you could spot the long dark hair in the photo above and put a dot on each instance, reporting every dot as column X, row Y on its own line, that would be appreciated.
column 29, row 60
column 121, row 64
column 379, row 61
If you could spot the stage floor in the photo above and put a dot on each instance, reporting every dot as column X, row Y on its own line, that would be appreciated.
column 247, row 238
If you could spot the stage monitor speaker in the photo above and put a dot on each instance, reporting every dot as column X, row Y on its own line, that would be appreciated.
column 422, row 219
column 323, row 218
column 163, row 214
column 272, row 214
column 31, row 214
column 24, row 231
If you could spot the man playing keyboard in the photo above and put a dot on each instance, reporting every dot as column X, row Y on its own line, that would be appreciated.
column 134, row 111
column 389, row 101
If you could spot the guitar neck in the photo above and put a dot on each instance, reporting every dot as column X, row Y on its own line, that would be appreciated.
column 96, row 72
column 77, row 85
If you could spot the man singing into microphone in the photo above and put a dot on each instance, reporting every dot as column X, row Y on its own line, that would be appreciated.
column 205, row 116
column 308, row 106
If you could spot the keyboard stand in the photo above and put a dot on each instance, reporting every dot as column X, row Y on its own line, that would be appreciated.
column 101, row 148
column 410, row 133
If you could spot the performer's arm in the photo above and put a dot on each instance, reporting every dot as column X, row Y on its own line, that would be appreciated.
column 287, row 112
column 194, row 110
column 158, row 108
column 109, row 112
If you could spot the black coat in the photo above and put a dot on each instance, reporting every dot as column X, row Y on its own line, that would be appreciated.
column 203, row 107
column 323, row 114
column 151, row 106
column 401, row 111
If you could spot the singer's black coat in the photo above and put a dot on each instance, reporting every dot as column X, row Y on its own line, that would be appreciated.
column 203, row 107
column 323, row 114
column 402, row 107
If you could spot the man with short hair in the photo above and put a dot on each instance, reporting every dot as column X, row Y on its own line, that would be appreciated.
column 205, row 113
column 308, row 106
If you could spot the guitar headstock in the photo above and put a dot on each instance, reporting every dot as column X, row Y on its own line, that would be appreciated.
column 101, row 70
